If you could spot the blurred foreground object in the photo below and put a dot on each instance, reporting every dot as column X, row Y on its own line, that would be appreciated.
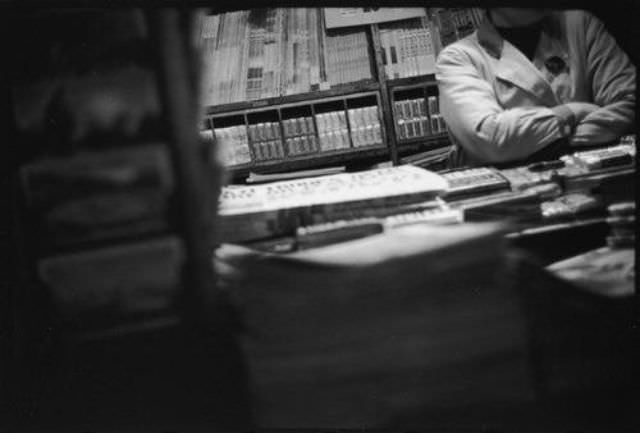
column 115, row 219
column 360, row 333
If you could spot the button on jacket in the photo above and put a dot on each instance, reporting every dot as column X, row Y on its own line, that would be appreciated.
column 500, row 106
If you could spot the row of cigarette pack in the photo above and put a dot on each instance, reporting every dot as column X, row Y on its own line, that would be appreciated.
column 266, row 140
column 302, row 145
column 410, row 108
column 300, row 136
column 335, row 139
column 268, row 150
column 369, row 135
column 333, row 130
column 298, row 126
column 420, row 126
column 233, row 144
column 332, row 121
column 365, row 126
column 414, row 118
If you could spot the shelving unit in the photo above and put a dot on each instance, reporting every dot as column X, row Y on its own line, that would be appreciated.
column 418, row 123
column 330, row 133
column 395, row 59
column 116, row 240
column 339, row 90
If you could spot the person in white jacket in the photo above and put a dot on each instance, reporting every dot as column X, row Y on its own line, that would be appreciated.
column 528, row 80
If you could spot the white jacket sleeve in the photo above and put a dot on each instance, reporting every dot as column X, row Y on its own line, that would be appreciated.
column 483, row 128
column 613, row 87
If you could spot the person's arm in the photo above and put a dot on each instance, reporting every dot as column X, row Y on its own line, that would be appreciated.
column 613, row 79
column 486, row 130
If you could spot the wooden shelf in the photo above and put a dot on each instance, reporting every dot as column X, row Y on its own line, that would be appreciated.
column 423, row 143
column 277, row 101
column 412, row 82
column 311, row 160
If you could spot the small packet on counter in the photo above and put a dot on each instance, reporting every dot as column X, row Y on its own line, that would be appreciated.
column 569, row 205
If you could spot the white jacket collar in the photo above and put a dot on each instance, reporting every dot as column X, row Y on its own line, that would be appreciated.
column 513, row 66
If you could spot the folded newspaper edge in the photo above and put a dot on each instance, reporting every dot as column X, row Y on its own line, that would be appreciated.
column 382, row 183
column 279, row 208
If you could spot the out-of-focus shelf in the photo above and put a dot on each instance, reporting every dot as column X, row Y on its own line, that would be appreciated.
column 335, row 91
column 311, row 160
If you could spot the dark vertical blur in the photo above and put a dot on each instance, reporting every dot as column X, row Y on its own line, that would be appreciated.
column 78, row 81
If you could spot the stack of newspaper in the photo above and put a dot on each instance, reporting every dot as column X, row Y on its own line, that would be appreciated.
column 360, row 332
column 277, row 209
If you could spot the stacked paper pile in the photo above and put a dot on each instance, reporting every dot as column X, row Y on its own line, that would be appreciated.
column 581, row 314
column 359, row 333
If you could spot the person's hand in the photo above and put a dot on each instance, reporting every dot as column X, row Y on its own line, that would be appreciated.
column 588, row 134
column 581, row 110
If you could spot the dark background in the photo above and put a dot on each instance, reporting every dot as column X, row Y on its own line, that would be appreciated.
column 157, row 381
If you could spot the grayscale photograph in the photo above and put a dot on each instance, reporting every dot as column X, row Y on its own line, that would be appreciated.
column 228, row 216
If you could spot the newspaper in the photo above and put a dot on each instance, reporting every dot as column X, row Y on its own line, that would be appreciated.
column 384, row 183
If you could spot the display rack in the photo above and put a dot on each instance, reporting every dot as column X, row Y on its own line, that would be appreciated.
column 330, row 132
column 391, row 85
column 419, row 125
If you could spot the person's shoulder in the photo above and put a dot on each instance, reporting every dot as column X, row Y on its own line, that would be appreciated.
column 575, row 17
column 462, row 48
column 573, row 13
